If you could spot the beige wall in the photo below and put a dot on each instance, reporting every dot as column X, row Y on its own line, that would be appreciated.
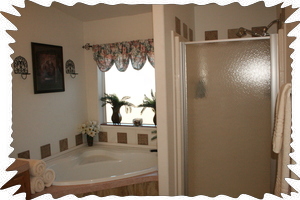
column 214, row 17
column 39, row 119
column 164, row 23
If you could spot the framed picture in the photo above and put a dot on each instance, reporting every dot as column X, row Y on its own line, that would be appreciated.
column 48, row 73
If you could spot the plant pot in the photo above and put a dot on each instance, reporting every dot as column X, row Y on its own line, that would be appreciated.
column 154, row 117
column 90, row 140
column 116, row 117
column 137, row 121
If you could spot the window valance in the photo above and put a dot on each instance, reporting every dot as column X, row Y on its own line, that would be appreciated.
column 120, row 53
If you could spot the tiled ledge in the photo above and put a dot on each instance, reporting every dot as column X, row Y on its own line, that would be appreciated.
column 110, row 134
column 127, row 134
column 59, row 191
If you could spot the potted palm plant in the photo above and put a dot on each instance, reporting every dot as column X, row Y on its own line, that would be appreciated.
column 149, row 103
column 116, row 103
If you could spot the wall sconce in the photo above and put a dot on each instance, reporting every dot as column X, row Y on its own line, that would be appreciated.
column 70, row 68
column 21, row 67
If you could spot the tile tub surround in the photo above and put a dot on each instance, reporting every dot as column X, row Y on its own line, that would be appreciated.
column 60, row 191
column 127, row 135
column 119, row 134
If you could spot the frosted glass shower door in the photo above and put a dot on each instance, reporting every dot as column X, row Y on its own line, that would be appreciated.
column 228, row 105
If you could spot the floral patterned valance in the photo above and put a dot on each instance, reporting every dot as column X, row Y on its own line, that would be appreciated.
column 120, row 53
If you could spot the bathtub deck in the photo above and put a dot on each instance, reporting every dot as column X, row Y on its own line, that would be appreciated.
column 59, row 191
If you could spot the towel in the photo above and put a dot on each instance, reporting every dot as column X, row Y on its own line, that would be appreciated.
column 48, row 177
column 280, row 122
column 36, row 184
column 36, row 167
column 282, row 139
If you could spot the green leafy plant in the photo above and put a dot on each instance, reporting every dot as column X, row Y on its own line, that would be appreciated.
column 116, row 102
column 154, row 137
column 148, row 103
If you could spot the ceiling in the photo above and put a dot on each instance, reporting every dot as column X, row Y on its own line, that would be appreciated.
column 85, row 12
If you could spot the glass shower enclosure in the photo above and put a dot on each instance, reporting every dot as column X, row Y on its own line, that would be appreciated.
column 229, row 88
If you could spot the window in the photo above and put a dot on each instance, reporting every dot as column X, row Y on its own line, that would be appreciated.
column 133, row 83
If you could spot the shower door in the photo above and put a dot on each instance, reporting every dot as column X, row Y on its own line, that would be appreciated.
column 227, row 117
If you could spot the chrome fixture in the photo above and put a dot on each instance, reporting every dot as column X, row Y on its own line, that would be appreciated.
column 243, row 31
column 87, row 46
column 70, row 68
column 21, row 67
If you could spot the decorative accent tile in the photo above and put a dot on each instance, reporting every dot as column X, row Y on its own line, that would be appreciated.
column 63, row 144
column 177, row 26
column 281, row 18
column 102, row 136
column 45, row 151
column 185, row 31
column 211, row 35
column 143, row 139
column 122, row 137
column 24, row 154
column 232, row 33
column 191, row 35
column 258, row 29
column 78, row 139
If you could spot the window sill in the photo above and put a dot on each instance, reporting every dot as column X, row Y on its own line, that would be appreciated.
column 129, row 125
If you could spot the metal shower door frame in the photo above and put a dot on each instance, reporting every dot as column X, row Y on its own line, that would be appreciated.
column 183, row 81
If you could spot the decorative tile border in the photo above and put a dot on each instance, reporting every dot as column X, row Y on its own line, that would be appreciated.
column 78, row 139
column 122, row 137
column 258, row 29
column 185, row 31
column 177, row 26
column 191, row 35
column 211, row 35
column 232, row 33
column 127, row 135
column 24, row 154
column 63, row 144
column 45, row 151
column 102, row 136
column 142, row 139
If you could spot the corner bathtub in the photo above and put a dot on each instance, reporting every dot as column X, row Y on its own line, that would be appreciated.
column 101, row 163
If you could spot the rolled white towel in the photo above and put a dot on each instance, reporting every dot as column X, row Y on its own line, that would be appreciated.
column 36, row 184
column 49, row 177
column 36, row 167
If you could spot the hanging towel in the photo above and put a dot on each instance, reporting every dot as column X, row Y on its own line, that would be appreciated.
column 282, row 138
column 280, row 121
column 36, row 167
column 48, row 177
column 36, row 184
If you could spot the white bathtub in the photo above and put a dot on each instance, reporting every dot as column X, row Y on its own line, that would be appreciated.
column 101, row 163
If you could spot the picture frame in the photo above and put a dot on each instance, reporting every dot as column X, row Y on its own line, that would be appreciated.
column 47, row 64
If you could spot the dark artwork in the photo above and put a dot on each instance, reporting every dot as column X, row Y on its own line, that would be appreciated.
column 47, row 63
